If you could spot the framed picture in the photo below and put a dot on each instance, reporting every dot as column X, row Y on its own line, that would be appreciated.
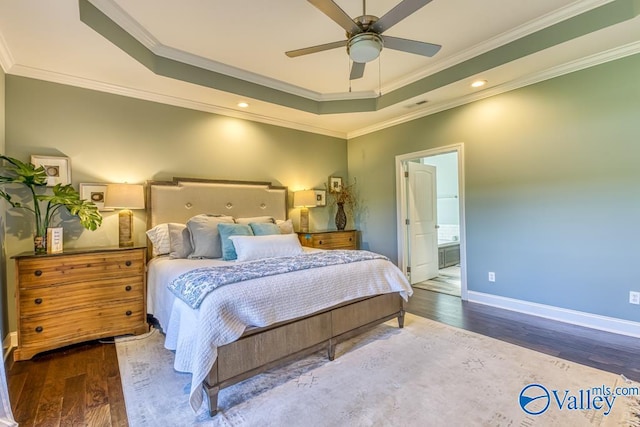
column 58, row 169
column 94, row 193
column 321, row 197
column 335, row 184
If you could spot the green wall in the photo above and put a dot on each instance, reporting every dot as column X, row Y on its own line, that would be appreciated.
column 552, row 176
column 111, row 138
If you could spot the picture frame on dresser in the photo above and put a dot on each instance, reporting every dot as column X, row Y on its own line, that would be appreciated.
column 58, row 169
column 321, row 198
column 94, row 192
column 335, row 184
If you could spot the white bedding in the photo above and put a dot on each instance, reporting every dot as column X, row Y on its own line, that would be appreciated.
column 228, row 311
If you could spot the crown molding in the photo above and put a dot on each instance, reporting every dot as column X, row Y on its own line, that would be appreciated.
column 34, row 73
column 560, row 70
column 111, row 9
column 6, row 59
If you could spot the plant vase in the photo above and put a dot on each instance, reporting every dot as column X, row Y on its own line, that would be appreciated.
column 341, row 217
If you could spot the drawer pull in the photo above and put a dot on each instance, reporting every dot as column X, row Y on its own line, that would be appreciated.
column 319, row 242
column 128, row 313
column 350, row 239
column 38, row 273
column 127, row 288
column 128, row 263
column 38, row 301
column 39, row 329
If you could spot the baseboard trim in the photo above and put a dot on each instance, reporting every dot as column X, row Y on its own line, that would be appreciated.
column 589, row 320
column 8, row 344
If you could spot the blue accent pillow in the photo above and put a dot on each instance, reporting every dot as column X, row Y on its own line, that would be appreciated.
column 264, row 228
column 226, row 230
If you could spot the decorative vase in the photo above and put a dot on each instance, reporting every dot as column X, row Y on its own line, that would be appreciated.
column 40, row 245
column 341, row 217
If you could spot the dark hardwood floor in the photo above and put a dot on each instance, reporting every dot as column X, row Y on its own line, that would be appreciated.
column 615, row 353
column 75, row 386
column 80, row 385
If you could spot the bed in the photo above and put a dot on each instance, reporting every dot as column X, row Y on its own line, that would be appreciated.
column 245, row 327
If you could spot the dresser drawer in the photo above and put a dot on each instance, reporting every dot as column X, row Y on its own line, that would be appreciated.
column 51, row 270
column 65, row 296
column 59, row 328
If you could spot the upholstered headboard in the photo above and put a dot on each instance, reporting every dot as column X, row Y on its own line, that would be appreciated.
column 183, row 198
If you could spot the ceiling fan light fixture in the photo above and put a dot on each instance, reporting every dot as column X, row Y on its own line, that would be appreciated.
column 364, row 47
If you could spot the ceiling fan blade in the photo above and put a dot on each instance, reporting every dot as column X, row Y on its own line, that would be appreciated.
column 339, row 16
column 357, row 70
column 411, row 46
column 314, row 49
column 397, row 14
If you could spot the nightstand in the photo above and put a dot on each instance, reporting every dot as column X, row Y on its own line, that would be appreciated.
column 338, row 239
column 78, row 295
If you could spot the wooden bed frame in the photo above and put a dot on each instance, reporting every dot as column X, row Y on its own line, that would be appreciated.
column 260, row 349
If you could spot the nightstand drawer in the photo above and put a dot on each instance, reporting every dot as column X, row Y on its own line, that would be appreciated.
column 78, row 268
column 67, row 296
column 329, row 239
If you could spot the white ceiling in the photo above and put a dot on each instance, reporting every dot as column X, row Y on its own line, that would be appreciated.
column 247, row 39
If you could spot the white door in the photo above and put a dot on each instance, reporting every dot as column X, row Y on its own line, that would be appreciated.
column 423, row 222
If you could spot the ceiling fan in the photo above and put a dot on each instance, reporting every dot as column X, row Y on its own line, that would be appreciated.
column 364, row 34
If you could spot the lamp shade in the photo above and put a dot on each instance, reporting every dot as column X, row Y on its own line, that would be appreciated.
column 124, row 196
column 304, row 199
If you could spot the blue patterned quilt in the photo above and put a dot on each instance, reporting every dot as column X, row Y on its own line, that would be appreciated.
column 193, row 286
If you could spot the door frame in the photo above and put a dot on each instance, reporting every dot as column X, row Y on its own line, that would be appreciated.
column 401, row 208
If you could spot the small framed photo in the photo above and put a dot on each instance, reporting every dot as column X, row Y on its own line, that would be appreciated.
column 335, row 184
column 94, row 192
column 58, row 169
column 321, row 197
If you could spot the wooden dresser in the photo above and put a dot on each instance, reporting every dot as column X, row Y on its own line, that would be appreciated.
column 343, row 239
column 78, row 296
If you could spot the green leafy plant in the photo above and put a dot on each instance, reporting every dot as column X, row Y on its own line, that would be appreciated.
column 44, row 205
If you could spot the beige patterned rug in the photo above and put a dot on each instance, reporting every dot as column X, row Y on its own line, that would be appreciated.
column 427, row 374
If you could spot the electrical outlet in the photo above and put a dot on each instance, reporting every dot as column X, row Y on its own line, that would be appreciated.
column 634, row 297
column 492, row 276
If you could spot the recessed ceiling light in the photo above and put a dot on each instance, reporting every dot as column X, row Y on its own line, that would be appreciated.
column 479, row 83
column 243, row 104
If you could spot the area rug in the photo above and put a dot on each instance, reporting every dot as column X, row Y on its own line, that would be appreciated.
column 427, row 374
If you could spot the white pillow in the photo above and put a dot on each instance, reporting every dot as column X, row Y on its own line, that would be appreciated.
column 159, row 237
column 250, row 248
column 205, row 238
column 180, row 241
column 286, row 227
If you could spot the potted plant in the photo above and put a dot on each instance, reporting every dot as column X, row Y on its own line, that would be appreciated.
column 43, row 204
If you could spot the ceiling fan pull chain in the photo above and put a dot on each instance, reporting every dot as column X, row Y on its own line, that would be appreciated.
column 379, row 77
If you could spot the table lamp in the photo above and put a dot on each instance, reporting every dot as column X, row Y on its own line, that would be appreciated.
column 124, row 197
column 304, row 200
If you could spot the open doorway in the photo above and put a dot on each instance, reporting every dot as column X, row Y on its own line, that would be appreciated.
column 430, row 204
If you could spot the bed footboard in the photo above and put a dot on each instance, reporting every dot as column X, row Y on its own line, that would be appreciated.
column 264, row 348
